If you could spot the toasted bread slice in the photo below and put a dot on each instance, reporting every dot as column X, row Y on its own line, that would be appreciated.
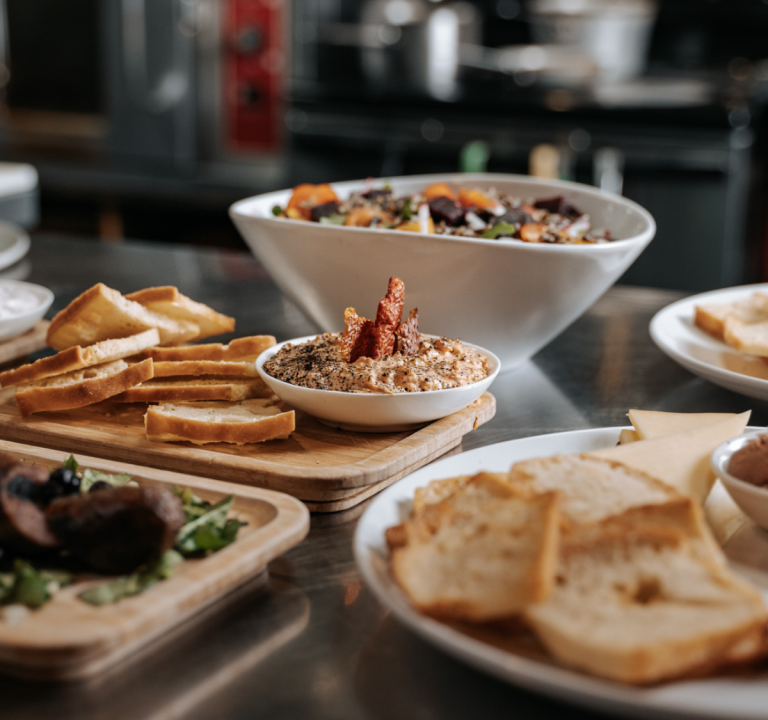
column 649, row 424
column 711, row 317
column 77, row 357
column 749, row 338
column 591, row 489
column 81, row 387
column 478, row 555
column 641, row 606
column 241, row 349
column 102, row 313
column 249, row 421
column 168, row 301
column 161, row 390
column 627, row 436
column 437, row 491
column 196, row 368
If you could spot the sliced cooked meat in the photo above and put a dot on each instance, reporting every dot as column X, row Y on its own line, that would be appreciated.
column 23, row 526
column 116, row 530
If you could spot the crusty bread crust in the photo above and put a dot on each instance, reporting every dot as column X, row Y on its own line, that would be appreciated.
column 169, row 368
column 162, row 426
column 77, row 357
column 31, row 398
column 239, row 349
column 102, row 313
column 233, row 390
column 167, row 300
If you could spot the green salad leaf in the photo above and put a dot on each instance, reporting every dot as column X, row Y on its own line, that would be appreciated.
column 89, row 477
column 71, row 464
column 334, row 219
column 502, row 228
column 30, row 587
column 407, row 211
column 207, row 528
column 122, row 587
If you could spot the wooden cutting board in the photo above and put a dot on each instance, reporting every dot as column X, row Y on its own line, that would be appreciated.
column 317, row 463
column 68, row 638
column 25, row 344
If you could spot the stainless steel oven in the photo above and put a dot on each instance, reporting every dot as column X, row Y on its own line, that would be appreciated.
column 173, row 84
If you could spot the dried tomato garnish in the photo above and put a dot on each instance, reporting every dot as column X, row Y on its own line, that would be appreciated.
column 357, row 340
column 388, row 316
column 408, row 334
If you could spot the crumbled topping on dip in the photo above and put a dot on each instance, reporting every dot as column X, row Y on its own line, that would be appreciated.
column 440, row 363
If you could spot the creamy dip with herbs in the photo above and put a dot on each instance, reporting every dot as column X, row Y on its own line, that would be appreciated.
column 440, row 363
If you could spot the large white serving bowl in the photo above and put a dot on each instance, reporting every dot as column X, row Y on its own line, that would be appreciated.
column 373, row 412
column 509, row 296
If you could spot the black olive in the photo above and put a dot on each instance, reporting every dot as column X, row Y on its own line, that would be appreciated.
column 67, row 481
column 22, row 487
column 99, row 485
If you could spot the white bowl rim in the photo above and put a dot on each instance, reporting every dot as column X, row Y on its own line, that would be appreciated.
column 721, row 457
column 271, row 351
column 236, row 210
column 44, row 294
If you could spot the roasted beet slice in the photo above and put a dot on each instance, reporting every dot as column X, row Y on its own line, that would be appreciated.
column 558, row 205
column 443, row 208
column 119, row 529
column 324, row 210
column 377, row 194
column 23, row 526
column 515, row 216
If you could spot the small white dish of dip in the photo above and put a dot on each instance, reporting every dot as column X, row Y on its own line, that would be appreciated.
column 22, row 304
column 376, row 412
column 751, row 499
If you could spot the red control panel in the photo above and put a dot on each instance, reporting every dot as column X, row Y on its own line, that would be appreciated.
column 254, row 69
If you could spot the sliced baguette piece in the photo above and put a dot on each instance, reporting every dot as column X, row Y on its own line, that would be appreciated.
column 242, row 349
column 102, row 313
column 592, row 489
column 77, row 357
column 642, row 606
column 479, row 555
column 186, row 390
column 171, row 368
column 249, row 421
column 627, row 436
column 680, row 460
column 81, row 387
column 712, row 316
column 168, row 301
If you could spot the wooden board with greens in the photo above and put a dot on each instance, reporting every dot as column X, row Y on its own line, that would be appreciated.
column 60, row 617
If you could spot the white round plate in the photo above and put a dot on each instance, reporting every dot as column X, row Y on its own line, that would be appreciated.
column 21, row 322
column 14, row 244
column 735, row 698
column 675, row 333
column 376, row 412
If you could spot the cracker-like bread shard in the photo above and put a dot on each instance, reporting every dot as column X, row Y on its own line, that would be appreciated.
column 641, row 606
column 749, row 338
column 77, row 357
column 240, row 349
column 102, row 313
column 167, row 300
column 249, row 421
column 173, row 368
column 160, row 390
column 81, row 387
column 592, row 489
column 483, row 554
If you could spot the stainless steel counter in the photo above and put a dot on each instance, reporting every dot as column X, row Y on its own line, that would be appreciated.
column 309, row 641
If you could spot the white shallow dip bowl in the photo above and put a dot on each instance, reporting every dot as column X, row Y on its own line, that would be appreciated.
column 20, row 322
column 752, row 500
column 511, row 297
column 374, row 412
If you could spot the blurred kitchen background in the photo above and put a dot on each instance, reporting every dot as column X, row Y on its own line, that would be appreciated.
column 147, row 118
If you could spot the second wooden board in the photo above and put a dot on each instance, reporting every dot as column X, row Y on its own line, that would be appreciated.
column 317, row 463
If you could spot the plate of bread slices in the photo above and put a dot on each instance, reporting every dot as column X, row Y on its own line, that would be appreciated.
column 604, row 567
column 134, row 349
column 721, row 336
